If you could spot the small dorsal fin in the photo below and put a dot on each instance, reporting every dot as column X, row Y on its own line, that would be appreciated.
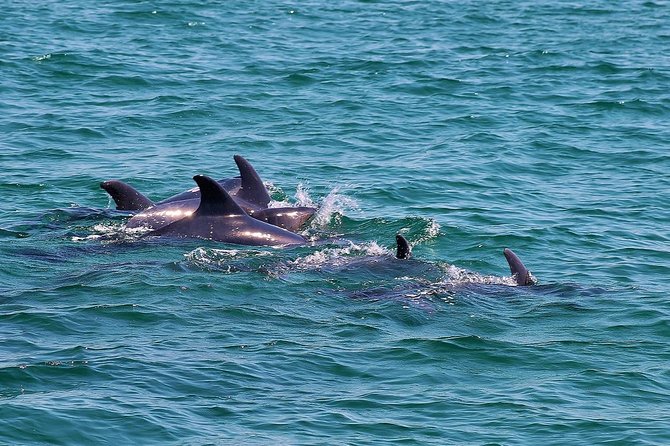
column 517, row 268
column 214, row 200
column 404, row 251
column 252, row 188
column 126, row 197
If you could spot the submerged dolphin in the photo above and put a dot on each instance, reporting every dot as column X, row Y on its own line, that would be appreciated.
column 218, row 217
column 247, row 190
column 520, row 273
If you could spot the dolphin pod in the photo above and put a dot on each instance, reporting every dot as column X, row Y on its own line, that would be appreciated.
column 235, row 210
column 247, row 190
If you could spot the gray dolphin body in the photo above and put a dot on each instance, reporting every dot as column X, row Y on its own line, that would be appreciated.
column 520, row 273
column 247, row 190
column 218, row 217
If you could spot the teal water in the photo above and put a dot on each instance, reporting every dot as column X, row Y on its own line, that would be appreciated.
column 468, row 126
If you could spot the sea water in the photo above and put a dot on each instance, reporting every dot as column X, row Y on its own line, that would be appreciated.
column 466, row 126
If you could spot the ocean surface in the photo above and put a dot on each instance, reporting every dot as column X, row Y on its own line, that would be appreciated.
column 467, row 126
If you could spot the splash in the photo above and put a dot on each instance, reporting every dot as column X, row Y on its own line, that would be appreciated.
column 431, row 231
column 329, row 210
column 332, row 208
column 302, row 197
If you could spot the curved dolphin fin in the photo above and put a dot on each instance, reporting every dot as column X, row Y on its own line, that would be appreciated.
column 214, row 200
column 519, row 271
column 252, row 188
column 126, row 197
column 404, row 251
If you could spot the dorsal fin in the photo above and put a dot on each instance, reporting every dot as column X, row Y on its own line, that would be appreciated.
column 252, row 188
column 404, row 251
column 126, row 197
column 214, row 200
column 517, row 268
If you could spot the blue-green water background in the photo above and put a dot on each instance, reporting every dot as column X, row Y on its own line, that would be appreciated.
column 469, row 126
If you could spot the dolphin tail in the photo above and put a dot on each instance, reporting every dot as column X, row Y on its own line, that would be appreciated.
column 252, row 188
column 126, row 197
column 519, row 271
column 404, row 251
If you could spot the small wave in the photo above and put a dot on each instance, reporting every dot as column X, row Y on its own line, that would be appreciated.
column 214, row 254
column 42, row 57
column 13, row 234
column 430, row 231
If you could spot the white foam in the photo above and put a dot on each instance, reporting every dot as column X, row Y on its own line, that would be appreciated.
column 339, row 256
column 113, row 232
column 460, row 276
column 219, row 257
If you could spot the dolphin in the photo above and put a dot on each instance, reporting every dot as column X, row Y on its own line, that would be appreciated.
column 218, row 217
column 519, row 272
